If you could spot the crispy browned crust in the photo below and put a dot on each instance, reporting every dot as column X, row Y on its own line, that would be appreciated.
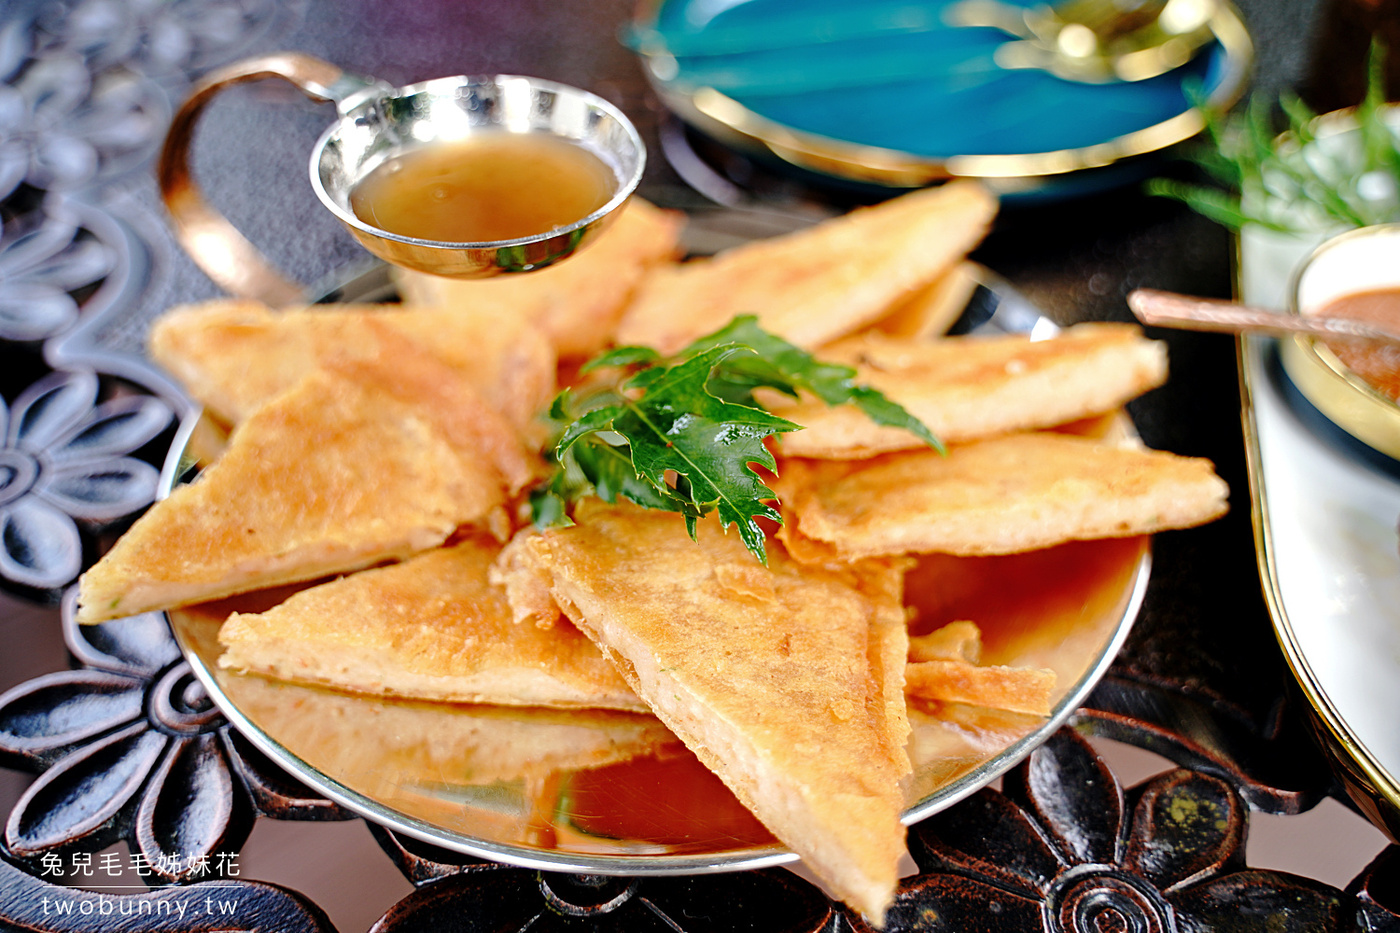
column 931, row 310
column 417, row 379
column 575, row 304
column 431, row 627
column 786, row 681
column 818, row 284
column 412, row 742
column 336, row 474
column 232, row 355
column 960, row 640
column 966, row 388
column 999, row 496
column 1017, row 689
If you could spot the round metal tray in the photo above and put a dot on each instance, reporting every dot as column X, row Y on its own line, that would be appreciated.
column 604, row 792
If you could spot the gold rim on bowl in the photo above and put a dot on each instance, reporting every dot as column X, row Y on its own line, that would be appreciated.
column 1324, row 380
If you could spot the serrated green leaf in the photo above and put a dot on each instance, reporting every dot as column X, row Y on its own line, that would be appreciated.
column 775, row 363
column 622, row 356
column 785, row 367
column 600, row 419
column 881, row 410
column 549, row 509
column 685, row 434
column 613, row 475
column 679, row 426
column 559, row 407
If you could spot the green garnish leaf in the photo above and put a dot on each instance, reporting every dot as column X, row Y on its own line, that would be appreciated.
column 622, row 356
column 782, row 366
column 683, row 434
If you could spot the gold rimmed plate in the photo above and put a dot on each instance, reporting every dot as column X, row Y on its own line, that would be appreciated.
column 841, row 105
column 1325, row 511
column 1325, row 531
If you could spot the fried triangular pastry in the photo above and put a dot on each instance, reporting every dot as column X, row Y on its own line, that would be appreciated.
column 1000, row 496
column 232, row 355
column 343, row 471
column 575, row 305
column 432, row 627
column 820, row 283
column 966, row 388
column 786, row 681
column 408, row 744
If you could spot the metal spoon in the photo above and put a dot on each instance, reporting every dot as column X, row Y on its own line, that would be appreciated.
column 1095, row 41
column 1168, row 309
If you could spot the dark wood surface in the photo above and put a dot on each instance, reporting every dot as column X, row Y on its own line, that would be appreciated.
column 1201, row 680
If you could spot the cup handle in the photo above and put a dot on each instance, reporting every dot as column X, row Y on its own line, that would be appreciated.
column 215, row 245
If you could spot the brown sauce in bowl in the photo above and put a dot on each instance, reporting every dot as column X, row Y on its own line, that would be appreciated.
column 489, row 187
column 1377, row 363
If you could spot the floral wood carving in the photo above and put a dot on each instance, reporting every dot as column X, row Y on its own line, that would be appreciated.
column 515, row 899
column 66, row 458
column 1377, row 890
column 1273, row 764
column 1066, row 848
column 494, row 897
column 47, row 256
column 130, row 747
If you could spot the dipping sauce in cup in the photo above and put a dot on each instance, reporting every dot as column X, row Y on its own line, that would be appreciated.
column 464, row 177
column 489, row 186
column 1377, row 363
column 1355, row 385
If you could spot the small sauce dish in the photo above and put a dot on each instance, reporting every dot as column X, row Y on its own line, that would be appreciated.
column 1356, row 268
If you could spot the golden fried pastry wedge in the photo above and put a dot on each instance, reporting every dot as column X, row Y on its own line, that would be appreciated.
column 959, row 640
column 432, row 628
column 1017, row 689
column 1001, row 496
column 429, row 744
column 818, row 284
column 965, row 388
column 342, row 471
column 576, row 305
column 232, row 355
column 945, row 667
column 411, row 375
column 931, row 310
column 786, row 681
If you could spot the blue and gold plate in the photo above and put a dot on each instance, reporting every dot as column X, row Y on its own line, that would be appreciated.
column 885, row 93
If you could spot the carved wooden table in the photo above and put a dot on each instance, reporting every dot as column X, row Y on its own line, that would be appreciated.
column 135, row 767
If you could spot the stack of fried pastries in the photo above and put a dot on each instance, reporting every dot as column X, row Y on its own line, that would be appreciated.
column 379, row 455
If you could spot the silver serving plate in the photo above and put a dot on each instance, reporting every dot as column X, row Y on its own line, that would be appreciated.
column 611, row 793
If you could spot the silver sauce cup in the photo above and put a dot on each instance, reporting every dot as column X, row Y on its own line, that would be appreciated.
column 378, row 123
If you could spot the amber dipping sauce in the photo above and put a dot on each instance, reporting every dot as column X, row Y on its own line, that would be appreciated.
column 1377, row 363
column 485, row 188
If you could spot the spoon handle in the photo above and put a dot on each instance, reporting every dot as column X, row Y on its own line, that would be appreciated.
column 1166, row 309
